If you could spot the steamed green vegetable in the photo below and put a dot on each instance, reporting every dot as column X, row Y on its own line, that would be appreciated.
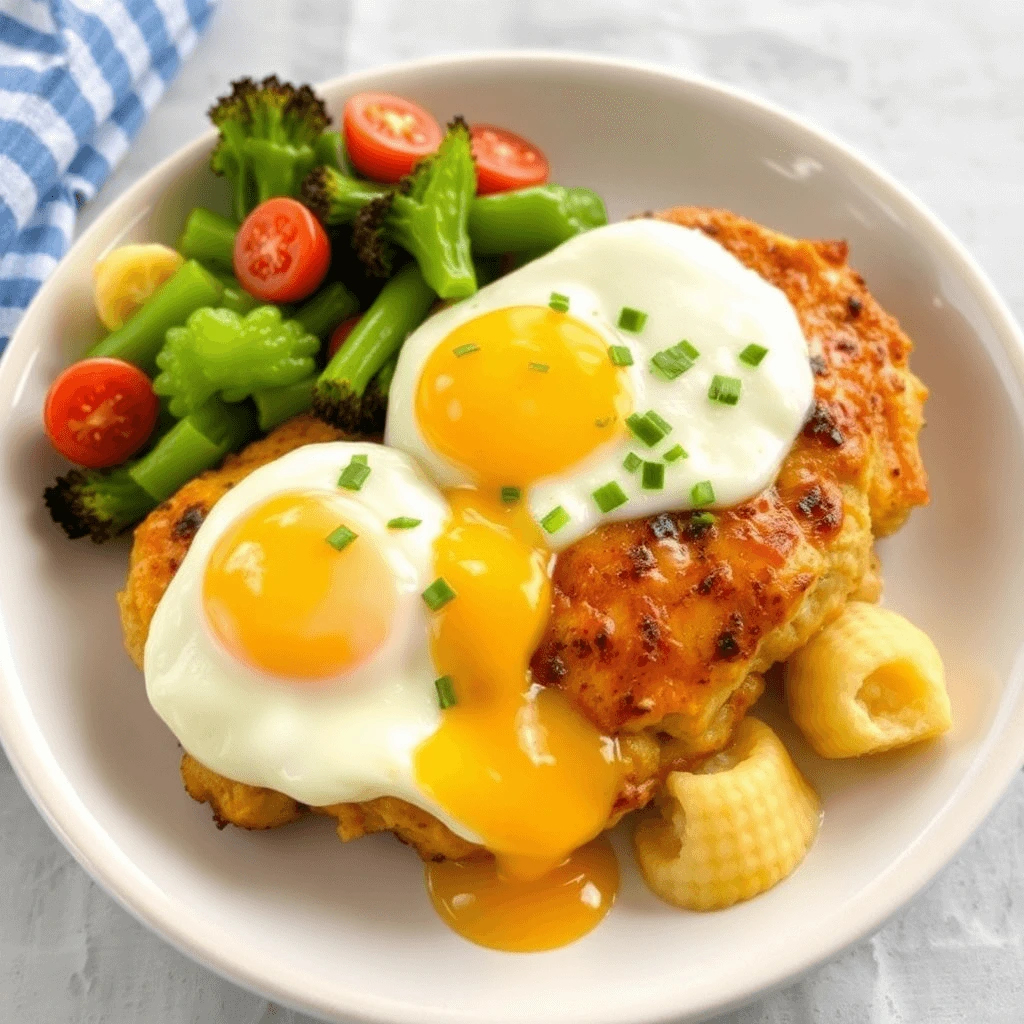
column 209, row 238
column 325, row 310
column 141, row 338
column 532, row 219
column 399, row 309
column 272, row 134
column 103, row 503
column 220, row 352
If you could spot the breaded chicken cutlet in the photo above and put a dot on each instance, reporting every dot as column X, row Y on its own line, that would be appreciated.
column 661, row 628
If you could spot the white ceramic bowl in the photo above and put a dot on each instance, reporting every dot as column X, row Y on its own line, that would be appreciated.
column 347, row 932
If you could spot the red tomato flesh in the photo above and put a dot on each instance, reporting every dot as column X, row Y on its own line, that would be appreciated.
column 341, row 332
column 281, row 251
column 386, row 135
column 505, row 160
column 100, row 412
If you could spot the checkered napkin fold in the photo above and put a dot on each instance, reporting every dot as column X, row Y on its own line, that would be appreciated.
column 77, row 79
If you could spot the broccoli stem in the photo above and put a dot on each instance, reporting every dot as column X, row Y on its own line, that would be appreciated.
column 322, row 313
column 399, row 309
column 337, row 198
column 142, row 337
column 209, row 238
column 374, row 406
column 532, row 219
column 194, row 444
column 235, row 297
column 275, row 405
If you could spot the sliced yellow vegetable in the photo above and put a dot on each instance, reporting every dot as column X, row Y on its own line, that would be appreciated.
column 732, row 830
column 869, row 681
column 127, row 276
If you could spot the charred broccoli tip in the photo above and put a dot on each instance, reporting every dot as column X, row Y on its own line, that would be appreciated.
column 99, row 505
column 368, row 236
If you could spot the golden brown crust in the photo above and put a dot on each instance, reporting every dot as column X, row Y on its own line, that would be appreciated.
column 661, row 629
column 657, row 622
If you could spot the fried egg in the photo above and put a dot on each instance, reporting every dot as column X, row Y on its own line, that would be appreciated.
column 637, row 368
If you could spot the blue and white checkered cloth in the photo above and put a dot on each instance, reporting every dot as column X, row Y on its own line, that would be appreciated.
column 77, row 80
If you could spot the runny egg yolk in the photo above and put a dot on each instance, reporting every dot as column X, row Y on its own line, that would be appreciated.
column 281, row 598
column 520, row 393
column 511, row 761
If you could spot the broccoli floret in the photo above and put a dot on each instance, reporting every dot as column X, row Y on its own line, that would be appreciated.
column 272, row 134
column 97, row 504
column 218, row 351
column 427, row 216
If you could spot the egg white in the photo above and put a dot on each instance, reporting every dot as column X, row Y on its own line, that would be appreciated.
column 691, row 288
column 348, row 739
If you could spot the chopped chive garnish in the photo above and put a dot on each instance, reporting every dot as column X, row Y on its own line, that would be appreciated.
column 702, row 520
column 662, row 424
column 403, row 523
column 465, row 350
column 702, row 493
column 604, row 421
column 361, row 460
column 340, row 538
column 510, row 495
column 632, row 462
column 753, row 354
column 645, row 428
column 653, row 477
column 354, row 475
column 725, row 390
column 672, row 362
column 438, row 594
column 555, row 519
column 609, row 496
column 676, row 453
column 559, row 303
column 632, row 320
column 620, row 355
column 540, row 367
column 445, row 692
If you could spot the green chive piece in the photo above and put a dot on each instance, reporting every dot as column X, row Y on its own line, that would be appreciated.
column 540, row 367
column 355, row 474
column 465, row 350
column 445, row 686
column 702, row 520
column 340, row 538
column 645, row 428
column 653, row 477
column 632, row 320
column 753, row 354
column 609, row 496
column 510, row 495
column 559, row 303
column 403, row 523
column 725, row 390
column 361, row 460
column 604, row 421
column 620, row 355
column 702, row 493
column 438, row 594
column 672, row 362
column 676, row 453
column 662, row 424
column 632, row 462
column 555, row 519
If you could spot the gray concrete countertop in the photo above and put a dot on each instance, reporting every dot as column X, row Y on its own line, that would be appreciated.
column 933, row 90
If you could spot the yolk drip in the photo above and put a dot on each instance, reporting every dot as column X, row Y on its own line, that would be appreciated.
column 280, row 598
column 511, row 761
column 526, row 916
column 532, row 393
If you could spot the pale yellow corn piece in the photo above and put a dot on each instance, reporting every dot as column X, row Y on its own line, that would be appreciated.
column 869, row 681
column 127, row 276
column 733, row 830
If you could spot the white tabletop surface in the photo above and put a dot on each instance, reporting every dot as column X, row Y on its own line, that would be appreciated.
column 933, row 90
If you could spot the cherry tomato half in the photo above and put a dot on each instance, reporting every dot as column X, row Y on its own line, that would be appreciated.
column 386, row 135
column 341, row 332
column 281, row 251
column 100, row 411
column 505, row 160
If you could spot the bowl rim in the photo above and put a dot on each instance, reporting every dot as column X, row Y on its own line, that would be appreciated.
column 999, row 757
